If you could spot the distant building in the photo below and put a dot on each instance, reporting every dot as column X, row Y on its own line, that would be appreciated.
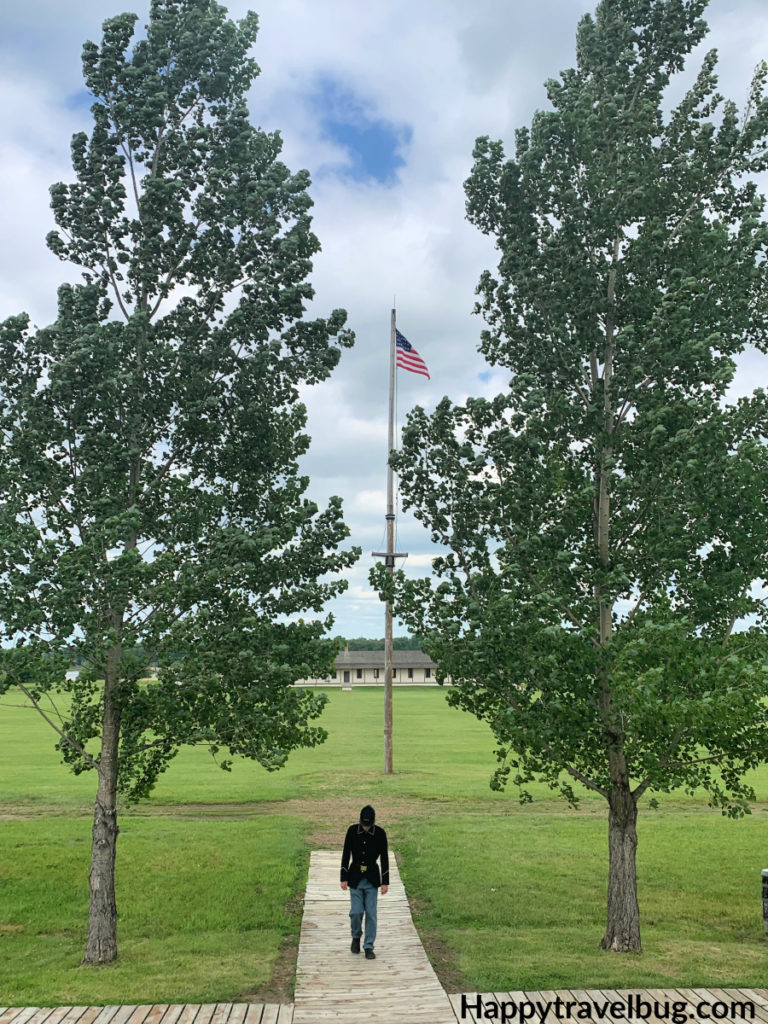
column 366, row 668
column 360, row 667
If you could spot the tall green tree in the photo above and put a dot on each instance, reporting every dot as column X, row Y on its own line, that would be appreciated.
column 153, row 505
column 606, row 515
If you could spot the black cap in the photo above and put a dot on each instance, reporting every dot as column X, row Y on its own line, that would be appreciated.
column 367, row 815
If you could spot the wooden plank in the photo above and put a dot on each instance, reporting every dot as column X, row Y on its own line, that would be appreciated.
column 124, row 1013
column 254, row 1012
column 592, row 998
column 188, row 1013
column 455, row 1001
column 509, row 997
column 566, row 996
column 729, row 996
column 205, row 1013
column 237, row 1016
column 692, row 998
column 139, row 1013
column 172, row 1014
column 106, row 1014
column 9, row 1013
column 18, row 1014
column 90, row 1015
column 156, row 1014
column 541, row 997
column 31, row 1013
column 41, row 1015
column 648, row 995
column 469, row 1001
column 669, row 996
column 28, row 1013
column 221, row 1013
column 285, row 1013
column 54, row 1016
column 759, row 996
column 597, row 996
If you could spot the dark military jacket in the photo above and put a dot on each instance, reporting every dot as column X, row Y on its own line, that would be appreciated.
column 361, row 851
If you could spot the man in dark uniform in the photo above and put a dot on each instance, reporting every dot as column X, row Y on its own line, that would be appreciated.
column 364, row 844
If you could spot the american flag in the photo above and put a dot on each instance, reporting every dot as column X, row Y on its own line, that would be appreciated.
column 408, row 357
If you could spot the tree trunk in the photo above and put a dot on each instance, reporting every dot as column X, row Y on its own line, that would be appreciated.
column 622, row 929
column 101, row 947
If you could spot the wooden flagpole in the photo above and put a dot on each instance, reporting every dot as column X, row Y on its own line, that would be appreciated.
column 390, row 554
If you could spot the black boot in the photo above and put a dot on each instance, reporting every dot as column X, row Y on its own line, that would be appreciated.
column 355, row 947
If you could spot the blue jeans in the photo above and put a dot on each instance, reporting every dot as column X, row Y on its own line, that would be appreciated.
column 363, row 901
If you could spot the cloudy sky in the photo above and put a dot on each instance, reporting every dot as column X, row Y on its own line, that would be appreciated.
column 382, row 103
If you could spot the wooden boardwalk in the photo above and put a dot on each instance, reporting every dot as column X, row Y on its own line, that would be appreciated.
column 271, row 1013
column 158, row 1013
column 333, row 984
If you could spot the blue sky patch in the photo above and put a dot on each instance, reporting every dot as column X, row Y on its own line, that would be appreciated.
column 80, row 100
column 374, row 145
column 485, row 376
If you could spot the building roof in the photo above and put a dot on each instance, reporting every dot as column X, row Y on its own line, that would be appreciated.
column 375, row 659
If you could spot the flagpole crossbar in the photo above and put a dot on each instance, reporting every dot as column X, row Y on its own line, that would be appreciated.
column 389, row 557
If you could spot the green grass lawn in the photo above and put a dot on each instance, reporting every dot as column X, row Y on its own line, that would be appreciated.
column 204, row 909
column 211, row 869
column 440, row 754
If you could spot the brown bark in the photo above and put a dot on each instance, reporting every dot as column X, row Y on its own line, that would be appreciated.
column 101, row 947
column 622, row 928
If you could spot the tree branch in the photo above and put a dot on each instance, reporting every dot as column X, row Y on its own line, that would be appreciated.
column 113, row 280
column 585, row 781
column 158, row 743
column 65, row 737
column 664, row 762
column 169, row 277
column 633, row 612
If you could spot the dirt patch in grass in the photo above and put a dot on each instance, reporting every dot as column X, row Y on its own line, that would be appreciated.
column 329, row 816
column 448, row 972
column 282, row 984
column 23, row 812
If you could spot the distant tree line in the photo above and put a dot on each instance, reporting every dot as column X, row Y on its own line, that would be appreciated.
column 364, row 643
column 357, row 643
